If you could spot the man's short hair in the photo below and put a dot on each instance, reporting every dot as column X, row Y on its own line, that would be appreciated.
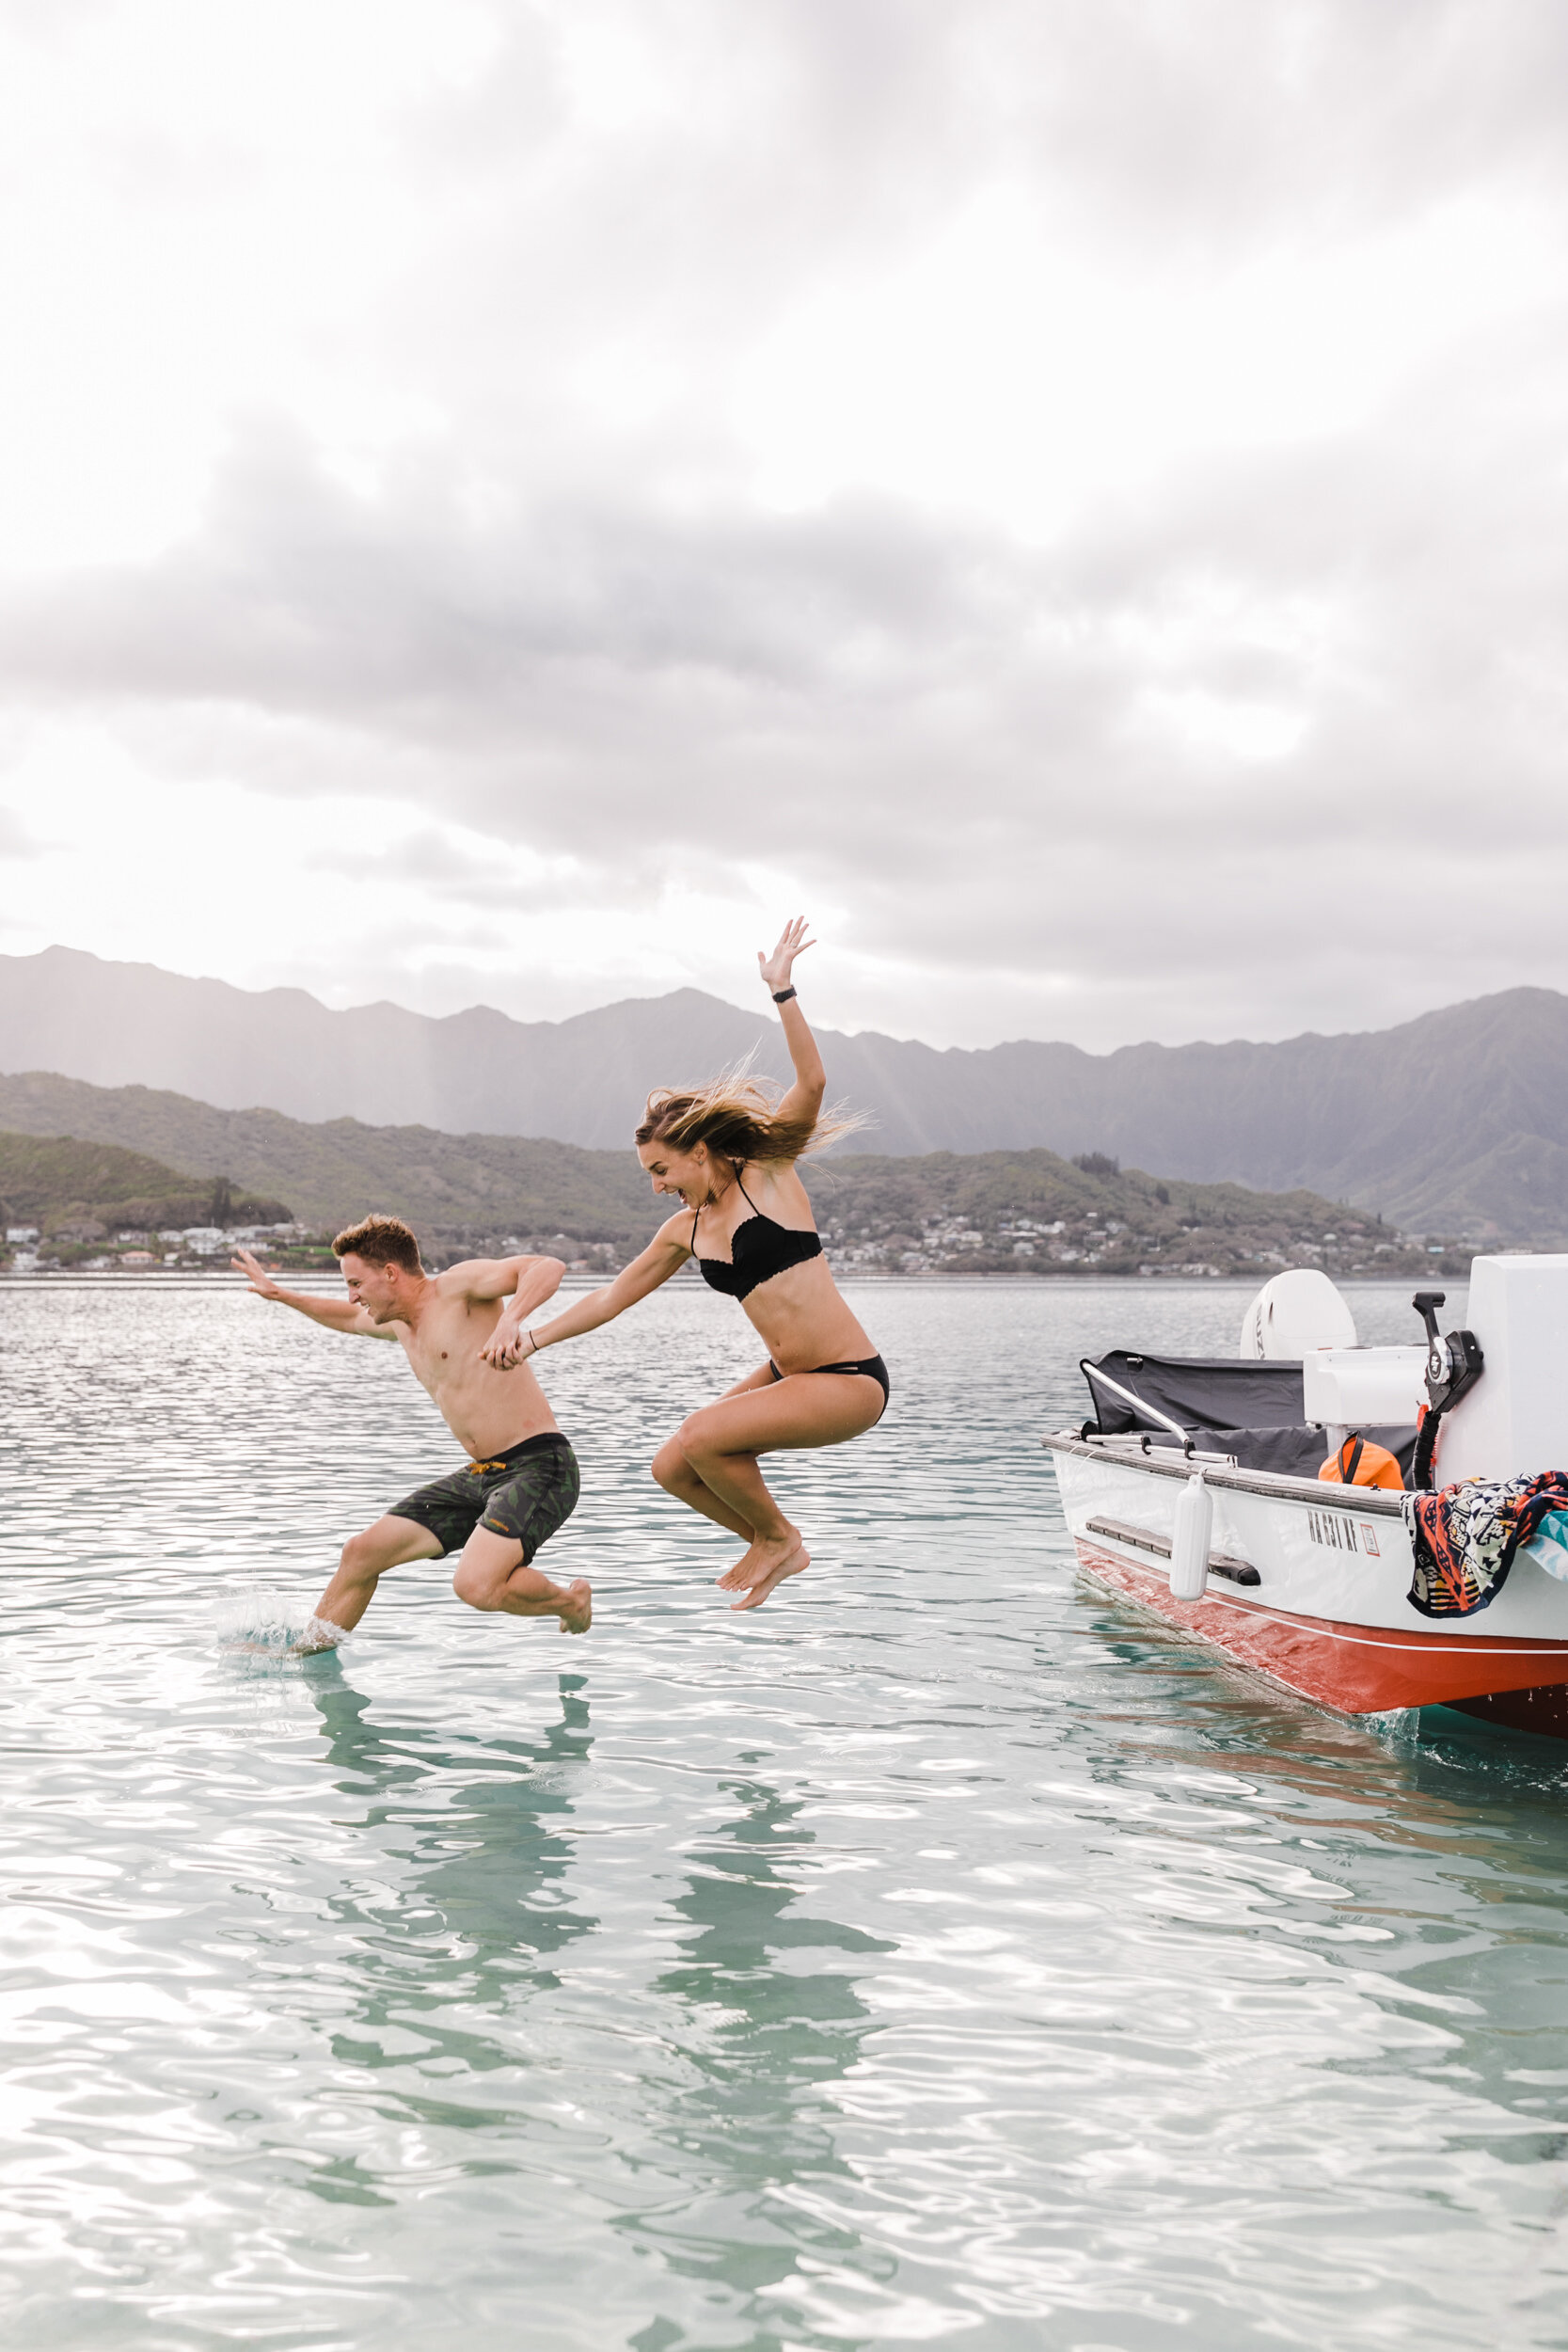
column 380, row 1241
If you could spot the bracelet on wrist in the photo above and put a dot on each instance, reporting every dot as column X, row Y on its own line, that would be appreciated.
column 782, row 995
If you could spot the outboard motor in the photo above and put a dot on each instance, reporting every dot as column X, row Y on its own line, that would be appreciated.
column 1293, row 1313
column 1454, row 1366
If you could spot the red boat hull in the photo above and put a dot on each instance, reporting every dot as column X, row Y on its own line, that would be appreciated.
column 1360, row 1669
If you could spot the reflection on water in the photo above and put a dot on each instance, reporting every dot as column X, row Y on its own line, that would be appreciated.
column 944, row 1951
column 475, row 1832
column 770, row 2023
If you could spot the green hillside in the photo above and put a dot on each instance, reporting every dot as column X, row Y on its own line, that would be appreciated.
column 1029, row 1212
column 54, row 1181
column 339, row 1168
column 1023, row 1212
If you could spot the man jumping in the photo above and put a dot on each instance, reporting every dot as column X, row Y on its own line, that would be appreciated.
column 521, row 1480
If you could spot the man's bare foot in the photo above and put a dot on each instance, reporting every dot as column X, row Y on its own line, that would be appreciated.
column 772, row 1578
column 577, row 1614
column 277, row 1641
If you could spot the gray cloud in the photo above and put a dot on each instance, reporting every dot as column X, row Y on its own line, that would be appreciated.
column 948, row 723
column 1026, row 767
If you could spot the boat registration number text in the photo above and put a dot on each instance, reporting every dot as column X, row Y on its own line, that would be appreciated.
column 1339, row 1533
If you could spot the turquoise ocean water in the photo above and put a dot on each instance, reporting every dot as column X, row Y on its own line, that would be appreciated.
column 944, row 1952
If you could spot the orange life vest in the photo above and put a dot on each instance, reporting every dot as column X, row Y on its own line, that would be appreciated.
column 1359, row 1464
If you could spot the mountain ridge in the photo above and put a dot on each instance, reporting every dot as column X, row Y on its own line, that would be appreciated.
column 1455, row 1122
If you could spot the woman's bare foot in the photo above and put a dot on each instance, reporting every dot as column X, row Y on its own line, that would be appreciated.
column 772, row 1577
column 577, row 1612
column 736, row 1580
column 760, row 1558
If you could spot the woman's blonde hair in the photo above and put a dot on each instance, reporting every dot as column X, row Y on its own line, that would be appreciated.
column 737, row 1116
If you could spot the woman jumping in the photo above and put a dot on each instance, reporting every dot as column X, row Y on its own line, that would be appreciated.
column 728, row 1154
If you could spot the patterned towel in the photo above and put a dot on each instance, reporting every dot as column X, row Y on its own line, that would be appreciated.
column 1549, row 1547
column 1464, row 1538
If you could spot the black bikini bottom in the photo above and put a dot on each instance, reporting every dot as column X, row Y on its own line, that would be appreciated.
column 871, row 1367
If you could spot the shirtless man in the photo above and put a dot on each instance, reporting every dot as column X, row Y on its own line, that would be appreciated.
column 521, row 1479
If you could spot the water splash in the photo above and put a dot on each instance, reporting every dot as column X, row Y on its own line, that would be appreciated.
column 249, row 1625
column 1396, row 1728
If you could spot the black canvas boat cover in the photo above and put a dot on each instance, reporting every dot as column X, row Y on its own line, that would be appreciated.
column 1200, row 1392
column 1227, row 1404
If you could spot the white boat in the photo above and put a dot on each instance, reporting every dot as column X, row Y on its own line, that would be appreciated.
column 1193, row 1490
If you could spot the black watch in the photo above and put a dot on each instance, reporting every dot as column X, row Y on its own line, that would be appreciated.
column 782, row 995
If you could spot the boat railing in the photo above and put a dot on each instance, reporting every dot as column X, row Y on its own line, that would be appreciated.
column 1133, row 1447
column 1143, row 1442
column 1098, row 1379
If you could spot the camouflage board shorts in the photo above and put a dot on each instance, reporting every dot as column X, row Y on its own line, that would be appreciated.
column 527, row 1493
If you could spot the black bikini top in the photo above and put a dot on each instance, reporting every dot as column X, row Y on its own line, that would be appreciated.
column 760, row 1248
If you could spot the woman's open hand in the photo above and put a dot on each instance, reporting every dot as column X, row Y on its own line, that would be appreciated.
column 505, row 1347
column 792, row 942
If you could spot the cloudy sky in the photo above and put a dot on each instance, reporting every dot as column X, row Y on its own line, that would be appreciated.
column 501, row 500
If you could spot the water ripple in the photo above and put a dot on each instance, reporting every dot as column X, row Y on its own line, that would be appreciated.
column 944, row 1952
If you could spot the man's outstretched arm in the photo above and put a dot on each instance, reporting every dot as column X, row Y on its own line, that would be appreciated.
column 338, row 1314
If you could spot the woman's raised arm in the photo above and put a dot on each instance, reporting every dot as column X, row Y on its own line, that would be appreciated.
column 804, row 1099
column 508, row 1343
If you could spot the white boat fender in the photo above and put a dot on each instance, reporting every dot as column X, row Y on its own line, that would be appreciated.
column 1190, row 1539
